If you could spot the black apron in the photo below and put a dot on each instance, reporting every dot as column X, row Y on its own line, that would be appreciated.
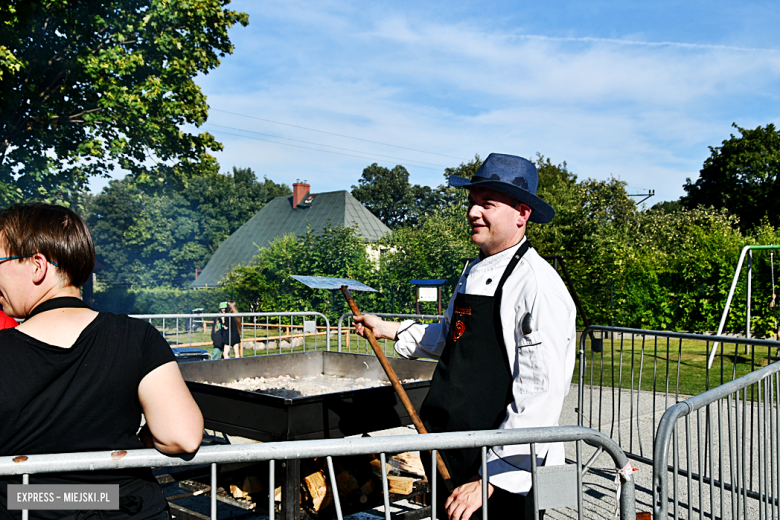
column 472, row 384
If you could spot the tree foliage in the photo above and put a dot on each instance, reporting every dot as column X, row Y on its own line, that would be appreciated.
column 89, row 86
column 454, row 201
column 665, row 268
column 743, row 176
column 389, row 195
column 147, row 236
column 266, row 284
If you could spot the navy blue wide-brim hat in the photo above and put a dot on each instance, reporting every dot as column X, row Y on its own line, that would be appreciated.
column 514, row 176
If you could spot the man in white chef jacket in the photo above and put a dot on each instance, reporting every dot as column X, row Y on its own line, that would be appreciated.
column 506, row 346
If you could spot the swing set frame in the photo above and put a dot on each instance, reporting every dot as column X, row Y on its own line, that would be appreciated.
column 746, row 251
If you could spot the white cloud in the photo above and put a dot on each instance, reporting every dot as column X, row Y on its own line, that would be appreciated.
column 644, row 111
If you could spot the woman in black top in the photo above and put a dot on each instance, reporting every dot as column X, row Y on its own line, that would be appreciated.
column 232, row 333
column 76, row 380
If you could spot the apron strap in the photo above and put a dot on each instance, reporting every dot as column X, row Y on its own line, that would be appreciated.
column 512, row 264
column 500, row 292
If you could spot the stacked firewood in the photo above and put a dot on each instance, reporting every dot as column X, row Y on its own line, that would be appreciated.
column 359, row 479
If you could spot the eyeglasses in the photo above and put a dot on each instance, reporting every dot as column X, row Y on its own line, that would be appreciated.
column 24, row 256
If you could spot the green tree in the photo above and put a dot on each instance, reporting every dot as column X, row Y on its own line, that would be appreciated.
column 147, row 236
column 89, row 86
column 435, row 249
column 454, row 201
column 666, row 206
column 266, row 284
column 389, row 195
column 386, row 193
column 559, row 188
column 743, row 176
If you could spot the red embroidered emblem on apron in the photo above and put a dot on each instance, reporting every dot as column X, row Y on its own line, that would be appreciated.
column 463, row 311
column 460, row 328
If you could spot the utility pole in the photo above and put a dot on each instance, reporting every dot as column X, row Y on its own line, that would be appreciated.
column 650, row 193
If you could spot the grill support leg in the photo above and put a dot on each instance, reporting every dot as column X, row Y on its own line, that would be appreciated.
column 291, row 490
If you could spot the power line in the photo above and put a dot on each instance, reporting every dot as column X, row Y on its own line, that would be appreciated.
column 306, row 147
column 332, row 133
column 326, row 145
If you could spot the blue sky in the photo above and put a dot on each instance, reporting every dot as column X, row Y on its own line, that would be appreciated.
column 636, row 90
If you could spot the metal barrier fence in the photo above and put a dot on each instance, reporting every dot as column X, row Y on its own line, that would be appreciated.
column 731, row 439
column 298, row 331
column 630, row 377
column 367, row 347
column 552, row 487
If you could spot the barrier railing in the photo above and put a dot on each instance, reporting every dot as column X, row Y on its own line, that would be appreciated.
column 630, row 377
column 552, row 487
column 391, row 352
column 731, row 439
column 264, row 332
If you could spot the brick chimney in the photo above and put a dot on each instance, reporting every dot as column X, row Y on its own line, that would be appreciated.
column 300, row 189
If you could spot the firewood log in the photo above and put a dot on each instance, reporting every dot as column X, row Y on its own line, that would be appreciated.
column 365, row 490
column 318, row 490
column 410, row 463
column 400, row 485
column 251, row 484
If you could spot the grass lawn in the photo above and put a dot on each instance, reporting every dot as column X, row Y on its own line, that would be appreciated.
column 682, row 364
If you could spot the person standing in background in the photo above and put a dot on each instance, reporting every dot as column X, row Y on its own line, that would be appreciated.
column 232, row 333
column 217, row 334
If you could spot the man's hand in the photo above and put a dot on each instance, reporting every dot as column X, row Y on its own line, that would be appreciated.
column 382, row 329
column 466, row 499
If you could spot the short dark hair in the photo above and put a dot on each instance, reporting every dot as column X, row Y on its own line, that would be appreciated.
column 56, row 232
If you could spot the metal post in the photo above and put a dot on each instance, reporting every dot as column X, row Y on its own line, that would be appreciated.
column 434, row 478
column 335, row 490
column 534, row 482
column 749, row 291
column 611, row 299
column 579, row 479
column 271, row 490
column 485, row 480
column 25, row 512
column 213, row 491
column 385, row 486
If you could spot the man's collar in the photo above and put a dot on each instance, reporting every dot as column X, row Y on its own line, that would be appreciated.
column 510, row 248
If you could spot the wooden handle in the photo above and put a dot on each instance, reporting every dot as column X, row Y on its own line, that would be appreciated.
column 399, row 389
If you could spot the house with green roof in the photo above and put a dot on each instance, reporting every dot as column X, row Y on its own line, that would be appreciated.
column 285, row 215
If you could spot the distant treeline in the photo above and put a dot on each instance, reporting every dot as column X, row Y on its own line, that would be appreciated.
column 662, row 268
column 667, row 267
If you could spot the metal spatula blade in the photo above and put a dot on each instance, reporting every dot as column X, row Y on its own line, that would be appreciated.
column 333, row 284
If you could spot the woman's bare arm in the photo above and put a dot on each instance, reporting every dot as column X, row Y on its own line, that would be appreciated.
column 174, row 419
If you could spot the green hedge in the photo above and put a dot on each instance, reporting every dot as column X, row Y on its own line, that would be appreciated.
column 160, row 300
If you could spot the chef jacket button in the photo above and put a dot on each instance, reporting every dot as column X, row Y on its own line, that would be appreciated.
column 489, row 280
